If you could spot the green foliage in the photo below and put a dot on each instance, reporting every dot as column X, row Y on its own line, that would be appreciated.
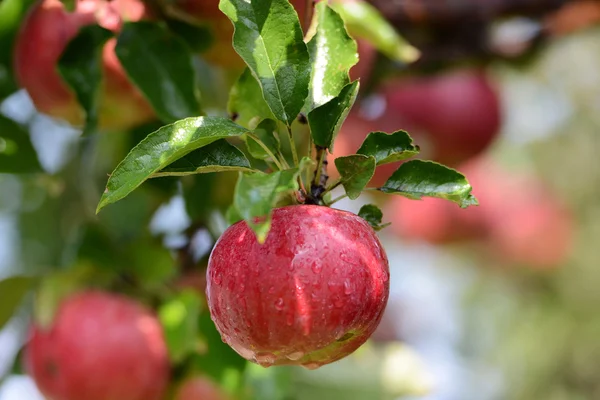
column 269, row 39
column 246, row 102
column 81, row 67
column 163, row 147
column 142, row 48
column 388, row 148
column 179, row 318
column 373, row 215
column 13, row 291
column 266, row 132
column 17, row 154
column 332, row 54
column 355, row 171
column 417, row 179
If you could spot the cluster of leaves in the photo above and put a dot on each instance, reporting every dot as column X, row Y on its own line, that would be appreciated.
column 288, row 75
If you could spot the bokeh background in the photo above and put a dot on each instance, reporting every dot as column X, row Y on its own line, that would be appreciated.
column 499, row 302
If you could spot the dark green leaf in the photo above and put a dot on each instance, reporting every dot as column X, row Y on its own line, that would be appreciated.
column 364, row 21
column 216, row 157
column 198, row 38
column 179, row 319
column 373, row 215
column 332, row 54
column 325, row 121
column 269, row 39
column 17, row 155
column 69, row 5
column 266, row 131
column 163, row 147
column 160, row 64
column 246, row 103
column 417, row 179
column 257, row 193
column 13, row 290
column 355, row 173
column 388, row 148
column 81, row 67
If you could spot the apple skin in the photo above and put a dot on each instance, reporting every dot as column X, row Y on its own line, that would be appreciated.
column 518, row 220
column 43, row 37
column 311, row 294
column 200, row 388
column 453, row 117
column 101, row 346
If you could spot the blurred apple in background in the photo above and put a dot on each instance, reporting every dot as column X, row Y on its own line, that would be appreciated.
column 453, row 116
column 519, row 220
column 43, row 37
column 200, row 388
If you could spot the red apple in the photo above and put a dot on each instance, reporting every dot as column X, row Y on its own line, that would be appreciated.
column 200, row 388
column 311, row 294
column 43, row 37
column 100, row 346
column 453, row 116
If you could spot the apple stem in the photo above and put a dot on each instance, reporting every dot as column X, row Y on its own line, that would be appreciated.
column 266, row 149
column 292, row 145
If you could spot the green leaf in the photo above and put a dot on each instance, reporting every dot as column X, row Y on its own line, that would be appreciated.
column 17, row 154
column 198, row 38
column 417, row 179
column 355, row 173
column 364, row 21
column 325, row 121
column 257, row 193
column 373, row 215
column 163, row 147
column 13, row 291
column 269, row 39
column 216, row 157
column 81, row 67
column 160, row 64
column 332, row 54
column 246, row 104
column 266, row 131
column 388, row 148
column 179, row 319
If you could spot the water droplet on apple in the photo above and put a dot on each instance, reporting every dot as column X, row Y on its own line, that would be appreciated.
column 317, row 267
column 385, row 277
column 265, row 359
column 295, row 355
column 347, row 287
column 218, row 279
column 272, row 290
column 336, row 270
column 311, row 366
column 279, row 304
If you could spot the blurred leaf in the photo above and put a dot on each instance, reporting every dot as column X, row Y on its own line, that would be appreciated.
column 355, row 173
column 325, row 121
column 266, row 131
column 17, row 154
column 373, row 215
column 218, row 360
column 269, row 39
column 332, row 54
column 163, row 147
column 364, row 21
column 257, row 193
column 12, row 13
column 179, row 318
column 13, row 290
column 232, row 215
column 246, row 103
column 81, row 67
column 216, row 157
column 417, row 179
column 148, row 262
column 69, row 5
column 198, row 38
column 161, row 66
column 390, row 148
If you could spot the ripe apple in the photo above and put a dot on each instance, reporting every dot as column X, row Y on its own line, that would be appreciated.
column 453, row 117
column 200, row 388
column 518, row 219
column 311, row 294
column 43, row 37
column 100, row 346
